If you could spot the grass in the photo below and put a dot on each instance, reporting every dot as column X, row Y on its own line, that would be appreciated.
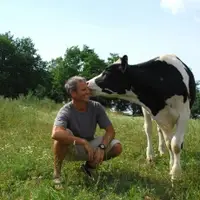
column 26, row 163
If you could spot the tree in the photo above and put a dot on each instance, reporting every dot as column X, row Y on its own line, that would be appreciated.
column 22, row 69
column 195, row 112
column 92, row 65
column 112, row 58
column 62, row 69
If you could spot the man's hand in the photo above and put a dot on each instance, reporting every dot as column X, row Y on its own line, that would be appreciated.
column 99, row 156
column 89, row 150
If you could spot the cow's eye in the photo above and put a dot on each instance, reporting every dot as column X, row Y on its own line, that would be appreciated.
column 104, row 73
column 107, row 70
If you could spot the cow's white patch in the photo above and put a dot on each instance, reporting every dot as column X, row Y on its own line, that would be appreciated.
column 148, row 131
column 161, row 141
column 93, row 86
column 109, row 90
column 168, row 116
column 176, row 112
column 172, row 60
column 178, row 139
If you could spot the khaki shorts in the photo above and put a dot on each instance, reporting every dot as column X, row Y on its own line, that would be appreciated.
column 78, row 153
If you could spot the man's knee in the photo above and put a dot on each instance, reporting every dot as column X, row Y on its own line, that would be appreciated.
column 59, row 147
column 57, row 144
column 116, row 150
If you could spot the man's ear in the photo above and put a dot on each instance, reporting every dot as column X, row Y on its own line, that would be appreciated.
column 73, row 94
column 124, row 63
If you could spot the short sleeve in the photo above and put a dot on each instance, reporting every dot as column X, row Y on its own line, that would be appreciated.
column 102, row 117
column 61, row 118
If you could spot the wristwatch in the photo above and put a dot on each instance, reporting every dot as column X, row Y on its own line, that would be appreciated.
column 102, row 146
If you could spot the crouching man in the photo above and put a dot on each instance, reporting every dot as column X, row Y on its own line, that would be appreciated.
column 74, row 131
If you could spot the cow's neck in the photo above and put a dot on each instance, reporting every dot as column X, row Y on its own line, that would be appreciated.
column 136, row 77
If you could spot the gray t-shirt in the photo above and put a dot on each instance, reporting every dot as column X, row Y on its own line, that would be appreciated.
column 82, row 124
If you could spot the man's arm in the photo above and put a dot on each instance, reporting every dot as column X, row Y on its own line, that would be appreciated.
column 105, row 123
column 109, row 135
column 62, row 135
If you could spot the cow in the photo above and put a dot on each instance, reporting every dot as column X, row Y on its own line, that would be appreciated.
column 164, row 87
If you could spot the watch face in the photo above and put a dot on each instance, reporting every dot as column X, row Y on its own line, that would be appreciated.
column 102, row 146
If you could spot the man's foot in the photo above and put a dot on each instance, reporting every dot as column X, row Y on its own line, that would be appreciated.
column 57, row 180
column 58, row 183
column 87, row 170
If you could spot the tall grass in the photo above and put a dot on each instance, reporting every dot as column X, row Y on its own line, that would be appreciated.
column 26, row 163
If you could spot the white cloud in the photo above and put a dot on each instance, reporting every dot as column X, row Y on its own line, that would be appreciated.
column 174, row 5
column 177, row 6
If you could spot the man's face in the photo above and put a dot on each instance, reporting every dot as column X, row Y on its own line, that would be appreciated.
column 82, row 93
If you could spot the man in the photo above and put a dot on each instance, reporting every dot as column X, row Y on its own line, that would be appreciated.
column 74, row 130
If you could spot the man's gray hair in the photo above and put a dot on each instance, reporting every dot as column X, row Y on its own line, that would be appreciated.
column 71, row 84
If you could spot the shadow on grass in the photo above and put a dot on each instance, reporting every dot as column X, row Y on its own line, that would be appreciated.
column 122, row 182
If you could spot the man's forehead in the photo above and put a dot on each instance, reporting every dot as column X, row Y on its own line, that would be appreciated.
column 81, row 84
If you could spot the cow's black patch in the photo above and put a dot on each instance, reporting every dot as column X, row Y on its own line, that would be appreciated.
column 153, row 82
column 182, row 145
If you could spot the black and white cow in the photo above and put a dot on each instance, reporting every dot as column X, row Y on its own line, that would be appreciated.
column 165, row 88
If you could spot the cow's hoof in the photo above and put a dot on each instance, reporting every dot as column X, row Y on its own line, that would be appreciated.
column 175, row 173
column 150, row 159
column 176, row 182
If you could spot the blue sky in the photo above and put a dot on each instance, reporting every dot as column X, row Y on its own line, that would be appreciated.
column 141, row 29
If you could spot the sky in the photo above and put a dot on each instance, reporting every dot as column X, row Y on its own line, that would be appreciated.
column 141, row 29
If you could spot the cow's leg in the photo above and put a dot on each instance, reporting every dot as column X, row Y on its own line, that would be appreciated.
column 161, row 144
column 177, row 142
column 148, row 131
column 168, row 137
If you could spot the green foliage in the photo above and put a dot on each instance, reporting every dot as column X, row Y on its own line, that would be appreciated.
column 27, row 159
column 22, row 71
column 112, row 58
column 92, row 64
column 196, row 107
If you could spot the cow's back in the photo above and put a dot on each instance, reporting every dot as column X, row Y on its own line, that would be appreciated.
column 161, row 79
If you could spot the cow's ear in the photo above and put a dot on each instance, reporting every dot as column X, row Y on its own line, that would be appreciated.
column 124, row 63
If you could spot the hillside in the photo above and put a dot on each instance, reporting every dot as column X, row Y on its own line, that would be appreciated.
column 27, row 161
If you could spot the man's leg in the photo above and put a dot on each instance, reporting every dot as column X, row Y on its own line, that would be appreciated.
column 114, row 149
column 60, row 151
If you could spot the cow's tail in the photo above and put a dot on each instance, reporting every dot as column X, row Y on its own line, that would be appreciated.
column 192, row 84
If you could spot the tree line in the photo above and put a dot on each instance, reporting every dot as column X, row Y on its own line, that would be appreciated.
column 22, row 71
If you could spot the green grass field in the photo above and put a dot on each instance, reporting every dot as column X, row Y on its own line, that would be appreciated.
column 26, row 163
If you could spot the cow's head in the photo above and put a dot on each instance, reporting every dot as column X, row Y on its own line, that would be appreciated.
column 112, row 81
